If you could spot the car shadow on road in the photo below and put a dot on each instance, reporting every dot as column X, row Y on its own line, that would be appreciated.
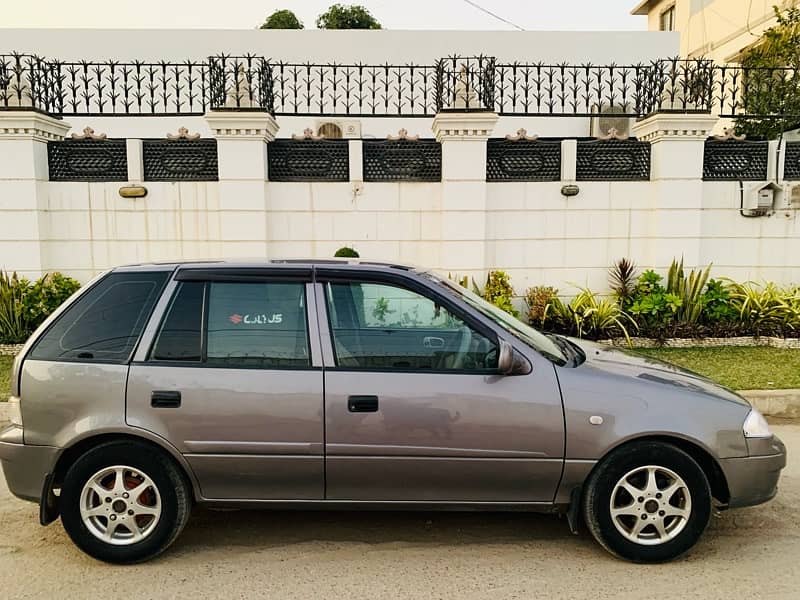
column 275, row 528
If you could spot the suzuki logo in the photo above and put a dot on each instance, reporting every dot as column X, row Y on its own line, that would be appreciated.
column 256, row 319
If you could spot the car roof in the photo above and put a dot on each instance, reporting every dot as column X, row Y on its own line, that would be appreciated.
column 348, row 263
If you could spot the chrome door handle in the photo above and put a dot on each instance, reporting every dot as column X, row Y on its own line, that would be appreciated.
column 433, row 342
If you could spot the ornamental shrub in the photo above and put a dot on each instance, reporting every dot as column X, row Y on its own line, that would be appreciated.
column 346, row 252
column 25, row 305
column 499, row 292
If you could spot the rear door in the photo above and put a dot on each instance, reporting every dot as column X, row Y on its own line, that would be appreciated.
column 232, row 378
column 415, row 408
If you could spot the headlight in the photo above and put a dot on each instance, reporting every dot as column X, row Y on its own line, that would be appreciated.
column 756, row 426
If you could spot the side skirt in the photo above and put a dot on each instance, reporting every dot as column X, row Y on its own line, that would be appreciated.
column 540, row 507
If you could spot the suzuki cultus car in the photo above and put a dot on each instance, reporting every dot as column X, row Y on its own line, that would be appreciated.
column 327, row 384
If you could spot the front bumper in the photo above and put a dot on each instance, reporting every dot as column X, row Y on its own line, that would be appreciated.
column 25, row 467
column 754, row 479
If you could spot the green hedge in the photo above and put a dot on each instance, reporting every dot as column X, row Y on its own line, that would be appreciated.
column 677, row 304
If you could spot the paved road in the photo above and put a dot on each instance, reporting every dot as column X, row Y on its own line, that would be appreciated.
column 751, row 553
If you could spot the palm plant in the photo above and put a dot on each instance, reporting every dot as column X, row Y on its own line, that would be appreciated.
column 12, row 323
column 766, row 308
column 622, row 279
column 688, row 289
column 593, row 316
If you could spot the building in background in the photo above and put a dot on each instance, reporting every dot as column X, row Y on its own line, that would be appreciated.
column 716, row 29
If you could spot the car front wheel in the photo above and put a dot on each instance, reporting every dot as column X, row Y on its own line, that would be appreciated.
column 647, row 502
column 124, row 502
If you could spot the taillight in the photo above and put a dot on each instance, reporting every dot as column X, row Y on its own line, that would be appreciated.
column 15, row 411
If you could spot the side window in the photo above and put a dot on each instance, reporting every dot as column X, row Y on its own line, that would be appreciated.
column 257, row 324
column 181, row 332
column 105, row 323
column 385, row 327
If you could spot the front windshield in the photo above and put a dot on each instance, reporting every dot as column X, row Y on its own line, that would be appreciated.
column 536, row 339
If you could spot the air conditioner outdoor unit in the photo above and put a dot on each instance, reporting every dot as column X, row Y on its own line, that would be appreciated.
column 610, row 117
column 339, row 129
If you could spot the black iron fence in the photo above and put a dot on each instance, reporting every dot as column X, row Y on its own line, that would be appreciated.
column 613, row 160
column 523, row 160
column 730, row 160
column 308, row 160
column 791, row 166
column 89, row 88
column 402, row 160
column 88, row 160
column 180, row 160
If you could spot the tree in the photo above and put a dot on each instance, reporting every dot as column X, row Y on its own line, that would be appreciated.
column 282, row 19
column 354, row 16
column 770, row 83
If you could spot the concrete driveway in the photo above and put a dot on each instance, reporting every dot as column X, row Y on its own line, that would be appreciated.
column 751, row 553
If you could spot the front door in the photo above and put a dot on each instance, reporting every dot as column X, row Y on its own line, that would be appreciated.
column 231, row 382
column 415, row 408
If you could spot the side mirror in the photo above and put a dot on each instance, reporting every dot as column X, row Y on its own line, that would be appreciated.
column 505, row 358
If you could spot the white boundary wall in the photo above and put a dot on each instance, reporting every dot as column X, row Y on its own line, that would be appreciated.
column 462, row 225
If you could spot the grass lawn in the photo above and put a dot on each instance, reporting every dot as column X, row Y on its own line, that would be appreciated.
column 745, row 368
column 5, row 377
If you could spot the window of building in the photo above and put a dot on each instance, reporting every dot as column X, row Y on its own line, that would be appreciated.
column 667, row 19
column 384, row 327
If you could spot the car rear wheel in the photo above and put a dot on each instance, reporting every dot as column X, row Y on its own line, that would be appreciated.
column 647, row 502
column 124, row 502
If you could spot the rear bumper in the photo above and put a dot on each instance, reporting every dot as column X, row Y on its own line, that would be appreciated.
column 754, row 479
column 25, row 467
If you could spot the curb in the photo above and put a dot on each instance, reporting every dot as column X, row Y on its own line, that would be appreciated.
column 774, row 403
column 5, row 412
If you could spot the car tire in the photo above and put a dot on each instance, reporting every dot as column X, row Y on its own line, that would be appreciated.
column 124, row 502
column 647, row 502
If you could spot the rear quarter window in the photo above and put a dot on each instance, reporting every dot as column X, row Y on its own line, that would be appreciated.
column 105, row 323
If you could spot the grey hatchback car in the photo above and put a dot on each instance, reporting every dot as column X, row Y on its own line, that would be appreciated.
column 314, row 384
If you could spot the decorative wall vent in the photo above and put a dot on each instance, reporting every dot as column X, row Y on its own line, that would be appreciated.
column 181, row 157
column 791, row 168
column 613, row 160
column 402, row 158
column 732, row 160
column 310, row 159
column 88, row 159
column 523, row 158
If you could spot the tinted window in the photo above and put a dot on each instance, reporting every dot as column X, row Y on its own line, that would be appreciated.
column 181, row 331
column 378, row 326
column 105, row 323
column 257, row 324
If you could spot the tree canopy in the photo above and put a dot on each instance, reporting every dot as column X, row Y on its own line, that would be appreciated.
column 771, row 78
column 353, row 16
column 282, row 19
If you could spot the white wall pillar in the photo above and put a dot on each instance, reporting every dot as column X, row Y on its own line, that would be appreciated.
column 463, row 215
column 674, row 227
column 23, row 186
column 242, row 155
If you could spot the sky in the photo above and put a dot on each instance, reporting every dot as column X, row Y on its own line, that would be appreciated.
column 393, row 14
